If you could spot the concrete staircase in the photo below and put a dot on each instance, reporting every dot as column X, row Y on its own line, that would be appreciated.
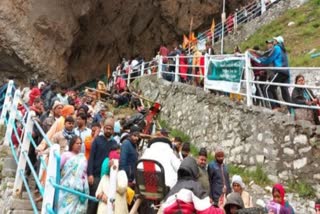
column 9, row 203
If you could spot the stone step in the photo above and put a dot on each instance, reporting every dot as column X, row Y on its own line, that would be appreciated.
column 22, row 204
column 19, row 204
column 9, row 163
column 23, row 212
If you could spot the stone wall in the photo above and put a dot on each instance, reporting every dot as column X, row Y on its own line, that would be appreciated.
column 287, row 150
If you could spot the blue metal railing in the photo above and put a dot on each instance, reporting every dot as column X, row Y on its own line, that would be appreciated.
column 58, row 175
column 81, row 194
column 33, row 204
column 34, row 173
column 27, row 137
column 42, row 161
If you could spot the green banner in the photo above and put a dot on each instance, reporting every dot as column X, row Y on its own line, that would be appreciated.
column 229, row 70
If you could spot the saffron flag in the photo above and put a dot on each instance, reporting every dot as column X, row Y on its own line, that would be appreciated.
column 185, row 42
column 213, row 25
column 192, row 38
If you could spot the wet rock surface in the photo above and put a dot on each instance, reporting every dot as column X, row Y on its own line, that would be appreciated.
column 74, row 40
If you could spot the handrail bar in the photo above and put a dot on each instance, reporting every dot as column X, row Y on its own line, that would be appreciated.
column 34, row 207
column 75, row 192
column 48, row 142
column 40, row 187
column 282, row 84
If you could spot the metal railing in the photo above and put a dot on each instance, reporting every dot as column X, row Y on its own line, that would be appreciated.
column 239, row 17
column 173, row 69
column 49, row 191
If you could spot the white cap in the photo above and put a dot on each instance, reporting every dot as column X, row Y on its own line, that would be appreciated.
column 40, row 84
column 238, row 180
column 279, row 39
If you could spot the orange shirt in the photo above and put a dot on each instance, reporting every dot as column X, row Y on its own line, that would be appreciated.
column 87, row 143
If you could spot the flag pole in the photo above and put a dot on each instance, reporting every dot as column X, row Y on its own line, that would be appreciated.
column 190, row 29
column 108, row 73
column 213, row 25
column 223, row 19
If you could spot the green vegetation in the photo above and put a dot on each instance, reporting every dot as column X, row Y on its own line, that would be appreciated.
column 136, row 83
column 300, row 38
column 185, row 138
column 302, row 188
column 4, row 186
column 257, row 175
column 177, row 133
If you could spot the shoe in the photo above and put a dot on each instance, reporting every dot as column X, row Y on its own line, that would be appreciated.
column 38, row 199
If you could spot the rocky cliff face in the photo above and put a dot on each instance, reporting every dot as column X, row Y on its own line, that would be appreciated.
column 36, row 36
column 73, row 40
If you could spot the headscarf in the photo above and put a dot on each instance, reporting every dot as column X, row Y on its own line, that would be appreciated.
column 238, row 180
column 105, row 169
column 280, row 189
column 67, row 110
column 40, row 84
column 114, row 155
column 317, row 204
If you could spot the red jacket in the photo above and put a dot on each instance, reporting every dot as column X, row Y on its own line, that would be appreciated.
column 120, row 84
column 35, row 92
column 188, row 203
column 183, row 66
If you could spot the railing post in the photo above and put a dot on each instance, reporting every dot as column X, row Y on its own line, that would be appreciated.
column 176, row 73
column 129, row 76
column 206, row 67
column 49, row 190
column 12, row 117
column 142, row 69
column 235, row 21
column 248, row 79
column 7, row 101
column 17, row 190
column 160, row 67
column 263, row 6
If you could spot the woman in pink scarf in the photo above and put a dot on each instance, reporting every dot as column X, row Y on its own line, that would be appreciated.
column 278, row 194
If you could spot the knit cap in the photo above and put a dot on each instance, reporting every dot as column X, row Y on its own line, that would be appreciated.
column 238, row 180
column 109, row 122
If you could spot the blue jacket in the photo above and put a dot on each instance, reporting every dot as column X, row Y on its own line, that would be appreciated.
column 278, row 58
column 97, row 118
column 128, row 159
column 216, row 180
column 100, row 149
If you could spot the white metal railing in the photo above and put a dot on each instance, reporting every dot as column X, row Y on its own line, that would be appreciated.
column 50, row 191
column 241, row 16
column 10, row 114
column 247, row 82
